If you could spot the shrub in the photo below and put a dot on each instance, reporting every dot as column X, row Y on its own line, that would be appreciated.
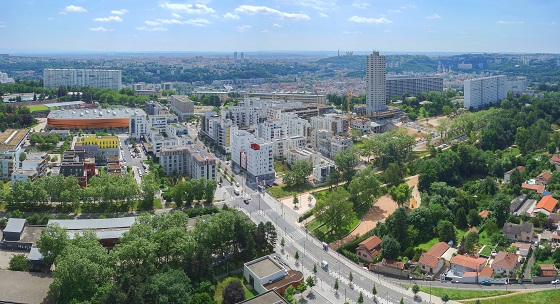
column 18, row 262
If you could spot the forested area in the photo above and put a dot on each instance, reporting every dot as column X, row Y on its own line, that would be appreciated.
column 160, row 260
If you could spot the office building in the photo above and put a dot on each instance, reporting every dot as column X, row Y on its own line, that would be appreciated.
column 398, row 86
column 376, row 99
column 480, row 92
column 181, row 105
column 99, row 148
column 104, row 79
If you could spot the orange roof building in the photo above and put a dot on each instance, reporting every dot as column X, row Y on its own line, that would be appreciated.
column 432, row 261
column 546, row 205
column 462, row 263
column 369, row 248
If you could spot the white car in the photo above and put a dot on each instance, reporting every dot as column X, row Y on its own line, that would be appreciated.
column 556, row 281
column 236, row 184
column 236, row 191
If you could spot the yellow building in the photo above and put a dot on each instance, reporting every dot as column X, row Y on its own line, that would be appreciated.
column 103, row 142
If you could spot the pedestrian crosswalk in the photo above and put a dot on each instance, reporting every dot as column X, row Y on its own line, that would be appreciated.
column 297, row 235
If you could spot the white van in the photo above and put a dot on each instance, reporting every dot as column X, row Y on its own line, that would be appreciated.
column 236, row 191
column 325, row 265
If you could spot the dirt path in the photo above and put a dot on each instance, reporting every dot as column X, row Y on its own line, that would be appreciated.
column 501, row 296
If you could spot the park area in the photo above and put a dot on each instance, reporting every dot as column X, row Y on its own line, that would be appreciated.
column 35, row 108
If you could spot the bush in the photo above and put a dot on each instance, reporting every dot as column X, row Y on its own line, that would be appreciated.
column 194, row 212
column 18, row 262
column 305, row 215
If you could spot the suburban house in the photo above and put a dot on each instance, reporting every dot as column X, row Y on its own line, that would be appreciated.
column 542, row 179
column 546, row 205
column 462, row 263
column 548, row 270
column 391, row 267
column 522, row 248
column 523, row 232
column 535, row 188
column 553, row 221
column 505, row 263
column 507, row 175
column 432, row 261
column 516, row 203
column 369, row 248
column 555, row 159
column 266, row 274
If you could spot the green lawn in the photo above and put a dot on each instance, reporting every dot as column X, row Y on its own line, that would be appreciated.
column 547, row 296
column 157, row 203
column 281, row 168
column 426, row 246
column 284, row 191
column 225, row 281
column 550, row 260
column 37, row 108
column 321, row 232
column 462, row 294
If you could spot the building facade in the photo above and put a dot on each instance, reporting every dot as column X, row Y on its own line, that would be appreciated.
column 398, row 86
column 376, row 97
column 190, row 160
column 252, row 154
column 181, row 105
column 480, row 92
column 110, row 79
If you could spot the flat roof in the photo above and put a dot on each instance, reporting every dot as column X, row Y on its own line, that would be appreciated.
column 96, row 113
column 269, row 297
column 102, row 235
column 264, row 267
column 15, row 225
column 83, row 224
column 63, row 104
column 15, row 287
column 11, row 138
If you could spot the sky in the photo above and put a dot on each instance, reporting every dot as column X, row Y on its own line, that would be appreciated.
column 280, row 25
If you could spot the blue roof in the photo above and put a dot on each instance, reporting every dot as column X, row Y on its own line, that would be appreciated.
column 15, row 225
column 83, row 224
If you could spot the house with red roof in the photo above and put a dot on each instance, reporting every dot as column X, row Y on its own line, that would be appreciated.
column 462, row 263
column 505, row 263
column 535, row 188
column 542, row 179
column 546, row 205
column 555, row 159
column 369, row 248
column 507, row 175
column 432, row 261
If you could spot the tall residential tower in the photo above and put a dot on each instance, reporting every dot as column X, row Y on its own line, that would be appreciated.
column 375, row 81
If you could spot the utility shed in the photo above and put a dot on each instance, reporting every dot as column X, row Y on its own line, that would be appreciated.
column 13, row 229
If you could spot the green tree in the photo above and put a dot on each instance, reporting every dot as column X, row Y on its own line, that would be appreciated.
column 500, row 208
column 335, row 210
column 336, row 285
column 149, row 187
column 400, row 194
column 300, row 170
column 296, row 256
column 470, row 241
column 374, row 292
column 445, row 231
column 314, row 269
column 233, row 293
column 445, row 298
column 391, row 248
column 461, row 220
column 52, row 242
column 361, row 298
column 171, row 286
column 365, row 186
column 289, row 294
column 415, row 289
column 302, row 287
column 346, row 161
column 473, row 218
column 22, row 156
column 295, row 200
column 209, row 190
column 401, row 301
column 18, row 262
column 350, row 277
column 310, row 282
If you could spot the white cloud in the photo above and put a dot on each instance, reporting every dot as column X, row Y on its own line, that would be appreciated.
column 408, row 6
column 265, row 31
column 509, row 22
column 197, row 22
column 323, row 15
column 360, row 4
column 152, row 23
column 433, row 17
column 231, row 16
column 352, row 33
column 264, row 10
column 244, row 28
column 276, row 25
column 151, row 29
column 320, row 5
column 74, row 9
column 108, row 19
column 169, row 21
column 369, row 20
column 119, row 12
column 100, row 29
column 175, row 15
column 394, row 11
column 188, row 8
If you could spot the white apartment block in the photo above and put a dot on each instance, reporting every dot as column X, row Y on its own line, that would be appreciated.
column 282, row 145
column 397, row 86
column 111, row 79
column 243, row 116
column 173, row 135
column 181, row 105
column 322, row 166
column 480, row 92
column 320, row 137
column 252, row 154
column 271, row 130
column 138, row 125
column 5, row 79
column 338, row 124
column 217, row 129
column 376, row 97
column 339, row 143
column 295, row 126
column 190, row 160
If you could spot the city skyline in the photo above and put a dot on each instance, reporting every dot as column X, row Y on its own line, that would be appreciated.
column 282, row 25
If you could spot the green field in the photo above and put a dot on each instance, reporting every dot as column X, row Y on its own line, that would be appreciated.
column 284, row 191
column 462, row 294
column 37, row 108
column 225, row 281
column 547, row 296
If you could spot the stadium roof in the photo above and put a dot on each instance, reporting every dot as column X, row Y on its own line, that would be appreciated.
column 96, row 113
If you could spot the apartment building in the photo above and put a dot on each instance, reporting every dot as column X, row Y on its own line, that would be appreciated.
column 98, row 147
column 480, row 92
column 376, row 97
column 295, row 126
column 10, row 149
column 397, row 86
column 111, row 79
column 338, row 124
column 252, row 154
column 34, row 166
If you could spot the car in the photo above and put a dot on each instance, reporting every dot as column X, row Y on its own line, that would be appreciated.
column 556, row 281
column 246, row 201
column 486, row 283
column 236, row 191
column 236, row 184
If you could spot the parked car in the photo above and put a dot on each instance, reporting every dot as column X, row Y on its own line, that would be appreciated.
column 246, row 201
column 556, row 281
column 236, row 191
column 236, row 184
column 486, row 283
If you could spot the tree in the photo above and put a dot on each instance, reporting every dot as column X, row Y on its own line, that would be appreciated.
column 22, row 156
column 171, row 286
column 361, row 298
column 335, row 210
column 445, row 298
column 296, row 256
column 500, row 208
column 415, row 290
column 52, row 242
column 401, row 193
column 209, row 190
column 473, row 218
column 401, row 301
column 336, row 285
column 149, row 186
column 300, row 170
column 461, row 220
column 350, row 277
column 310, row 282
column 470, row 241
column 282, row 244
column 19, row 262
column 346, row 161
column 374, row 291
column 295, row 200
column 302, row 287
column 391, row 248
column 445, row 231
column 233, row 293
column 365, row 186
column 315, row 268
column 394, row 174
column 289, row 294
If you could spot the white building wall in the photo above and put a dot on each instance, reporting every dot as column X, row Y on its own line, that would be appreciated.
column 376, row 99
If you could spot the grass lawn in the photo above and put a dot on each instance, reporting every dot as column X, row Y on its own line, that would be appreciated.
column 546, row 296
column 426, row 246
column 225, row 281
column 550, row 260
column 284, row 191
column 281, row 168
column 462, row 294
column 37, row 108
column 320, row 232
column 157, row 203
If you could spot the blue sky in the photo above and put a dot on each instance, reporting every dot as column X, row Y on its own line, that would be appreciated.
column 251, row 25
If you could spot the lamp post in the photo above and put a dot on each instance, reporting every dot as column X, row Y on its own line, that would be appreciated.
column 430, row 292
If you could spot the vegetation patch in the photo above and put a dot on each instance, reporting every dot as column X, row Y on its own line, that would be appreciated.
column 35, row 108
column 285, row 191
column 225, row 281
column 463, row 294
column 546, row 296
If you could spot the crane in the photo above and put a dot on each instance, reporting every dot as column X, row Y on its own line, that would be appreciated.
column 348, row 96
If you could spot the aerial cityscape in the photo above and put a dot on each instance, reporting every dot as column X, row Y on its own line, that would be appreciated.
column 285, row 151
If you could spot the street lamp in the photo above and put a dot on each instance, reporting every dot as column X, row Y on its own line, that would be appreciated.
column 430, row 291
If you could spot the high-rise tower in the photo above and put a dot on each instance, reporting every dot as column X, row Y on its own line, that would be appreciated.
column 375, row 83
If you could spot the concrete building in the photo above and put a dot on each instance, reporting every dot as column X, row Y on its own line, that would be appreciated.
column 5, row 79
column 295, row 126
column 111, row 79
column 252, row 154
column 93, row 119
column 190, row 160
column 34, row 166
column 480, row 92
column 376, row 97
column 181, row 105
column 303, row 98
column 338, row 124
column 397, row 86
column 155, row 108
column 266, row 274
column 271, row 130
column 10, row 149
column 137, row 125
column 75, row 163
column 98, row 147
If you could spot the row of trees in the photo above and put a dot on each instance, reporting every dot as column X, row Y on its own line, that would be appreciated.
column 158, row 261
column 185, row 192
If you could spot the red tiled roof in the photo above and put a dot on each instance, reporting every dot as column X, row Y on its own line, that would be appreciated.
column 486, row 272
column 521, row 169
column 555, row 159
column 547, row 203
column 548, row 270
column 521, row 245
column 370, row 243
column 438, row 249
column 468, row 262
column 473, row 229
column 537, row 188
column 484, row 213
column 392, row 263
column 545, row 176
column 505, row 260
column 431, row 258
